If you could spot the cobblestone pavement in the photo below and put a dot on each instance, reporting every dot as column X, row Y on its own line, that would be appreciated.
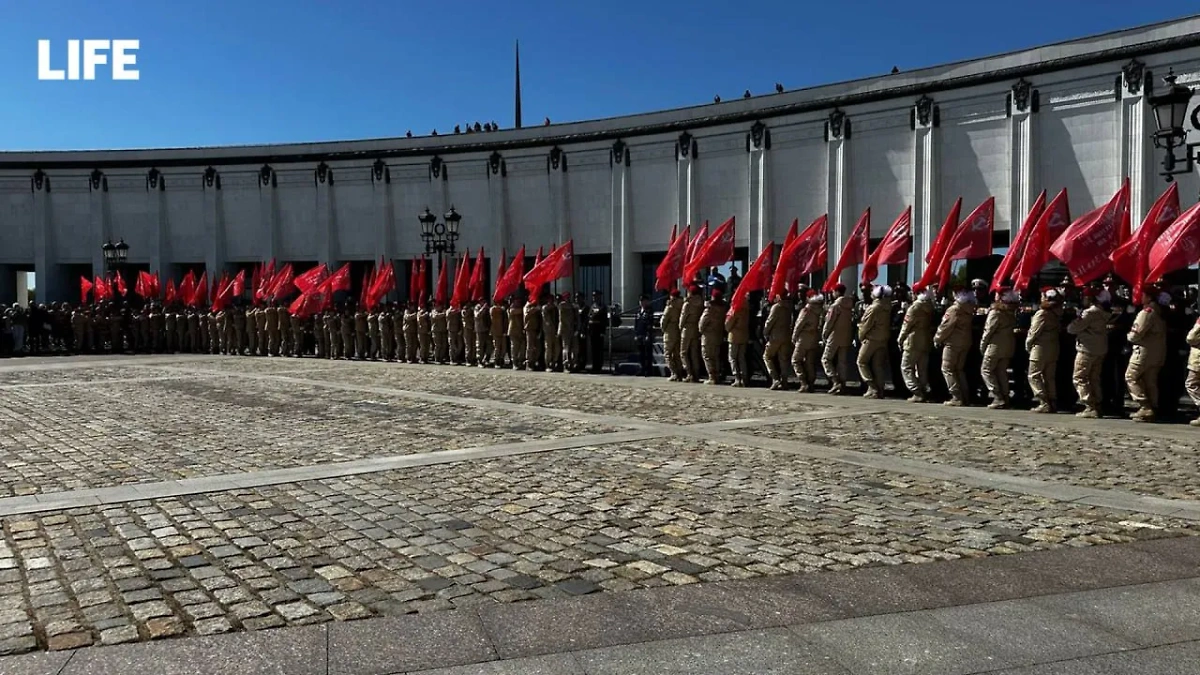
column 1152, row 466
column 598, row 517
column 64, row 438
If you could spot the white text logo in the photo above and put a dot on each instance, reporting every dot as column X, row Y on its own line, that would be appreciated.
column 93, row 54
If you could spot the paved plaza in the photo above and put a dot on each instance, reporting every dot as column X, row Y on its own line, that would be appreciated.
column 160, row 497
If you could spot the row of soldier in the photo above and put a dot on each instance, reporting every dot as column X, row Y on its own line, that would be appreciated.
column 557, row 333
column 976, row 338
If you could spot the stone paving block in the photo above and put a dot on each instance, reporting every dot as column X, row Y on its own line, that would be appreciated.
column 411, row 643
column 761, row 652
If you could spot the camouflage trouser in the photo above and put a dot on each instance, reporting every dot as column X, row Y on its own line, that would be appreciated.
column 498, row 347
column 1142, row 379
column 871, row 357
column 737, row 361
column 689, row 351
column 468, row 347
column 533, row 349
column 518, row 349
column 833, row 360
column 995, row 376
column 954, row 371
column 1192, row 385
column 441, row 347
column 1087, row 378
column 1042, row 374
column 804, row 363
column 774, row 359
column 914, row 364
column 671, row 352
column 710, row 348
column 554, row 350
column 412, row 346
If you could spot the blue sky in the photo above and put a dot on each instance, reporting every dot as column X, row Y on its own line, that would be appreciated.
column 218, row 72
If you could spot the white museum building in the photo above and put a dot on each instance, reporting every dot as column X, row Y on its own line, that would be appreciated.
column 1074, row 115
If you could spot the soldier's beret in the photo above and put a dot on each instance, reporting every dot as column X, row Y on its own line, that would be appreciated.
column 716, row 293
column 674, row 292
column 840, row 288
column 693, row 287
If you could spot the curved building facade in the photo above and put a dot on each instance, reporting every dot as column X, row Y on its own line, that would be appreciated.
column 1072, row 115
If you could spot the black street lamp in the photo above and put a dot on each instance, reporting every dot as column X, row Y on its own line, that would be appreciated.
column 1170, row 115
column 439, row 238
column 114, row 254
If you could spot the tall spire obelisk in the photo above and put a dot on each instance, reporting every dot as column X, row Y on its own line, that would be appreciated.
column 518, row 91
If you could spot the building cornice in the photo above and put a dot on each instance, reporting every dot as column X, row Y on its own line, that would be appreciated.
column 1032, row 63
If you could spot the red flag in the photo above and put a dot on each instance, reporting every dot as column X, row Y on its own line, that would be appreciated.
column 385, row 282
column 423, row 280
column 238, row 285
column 1037, row 246
column 671, row 268
column 264, row 281
column 187, row 288
column 367, row 281
column 1178, row 247
column 814, row 255
column 255, row 282
column 120, row 284
column 558, row 265
column 308, row 281
column 339, row 280
column 893, row 249
column 98, row 289
column 1131, row 260
column 1086, row 246
column 306, row 305
column 222, row 293
column 281, row 283
column 462, row 274
column 200, row 291
column 85, row 287
column 936, row 256
column 674, row 233
column 757, row 278
column 443, row 286
column 792, row 233
column 510, row 281
column 694, row 246
column 172, row 295
column 155, row 289
column 139, row 286
column 1016, row 250
column 413, row 268
column 475, row 287
column 717, row 249
column 853, row 252
column 973, row 237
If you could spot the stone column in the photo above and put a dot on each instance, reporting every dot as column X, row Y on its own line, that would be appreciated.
column 926, row 216
column 50, row 284
column 837, row 134
column 560, row 209
column 326, row 243
column 268, row 209
column 625, row 282
column 1137, row 151
column 156, row 206
column 685, row 208
column 498, row 212
column 99, row 227
column 758, row 141
column 381, row 199
column 1023, row 182
column 214, row 223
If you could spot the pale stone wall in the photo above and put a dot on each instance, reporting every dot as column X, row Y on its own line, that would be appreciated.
column 1004, row 126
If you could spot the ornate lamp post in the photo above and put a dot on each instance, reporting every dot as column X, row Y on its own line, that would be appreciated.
column 1170, row 114
column 114, row 255
column 440, row 238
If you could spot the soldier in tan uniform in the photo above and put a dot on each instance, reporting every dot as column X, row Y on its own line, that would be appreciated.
column 261, row 324
column 191, row 333
column 320, row 336
column 374, row 347
column 916, row 339
column 954, row 333
column 296, row 342
column 333, row 323
column 468, row 334
column 412, row 333
column 712, row 335
column 171, row 330
column 553, row 346
column 874, row 331
column 287, row 342
column 533, row 335
column 425, row 335
column 400, row 350
column 806, row 341
column 837, row 334
column 483, row 332
column 778, row 332
column 272, row 327
column 348, row 333
column 497, row 316
column 516, row 333
column 669, row 323
column 221, row 324
column 141, row 330
column 360, row 333
column 1091, row 346
column 1192, row 384
column 737, row 325
column 689, row 333
column 79, row 329
column 387, row 334
column 157, row 328
column 1042, row 344
column 454, row 332
column 1148, row 336
column 568, row 333
column 997, row 346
